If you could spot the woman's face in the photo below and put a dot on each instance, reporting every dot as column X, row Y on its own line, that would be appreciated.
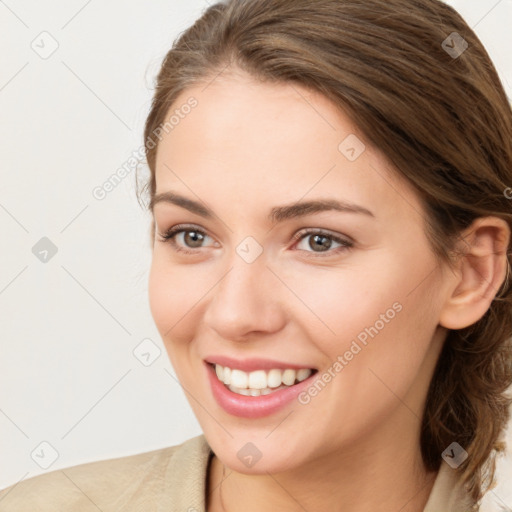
column 359, row 302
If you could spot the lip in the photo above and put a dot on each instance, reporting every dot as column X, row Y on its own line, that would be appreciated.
column 253, row 406
column 250, row 365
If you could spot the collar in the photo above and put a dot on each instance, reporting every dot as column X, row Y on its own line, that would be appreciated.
column 186, row 476
column 448, row 493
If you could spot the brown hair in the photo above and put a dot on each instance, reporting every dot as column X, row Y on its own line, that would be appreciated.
column 442, row 120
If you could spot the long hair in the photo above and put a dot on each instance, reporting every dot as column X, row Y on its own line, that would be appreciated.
column 419, row 84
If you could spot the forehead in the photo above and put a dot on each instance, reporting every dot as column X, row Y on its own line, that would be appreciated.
column 237, row 109
column 271, row 142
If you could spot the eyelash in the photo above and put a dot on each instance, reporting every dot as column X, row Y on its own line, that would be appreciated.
column 170, row 235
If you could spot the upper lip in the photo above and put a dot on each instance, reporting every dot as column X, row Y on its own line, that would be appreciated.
column 252, row 364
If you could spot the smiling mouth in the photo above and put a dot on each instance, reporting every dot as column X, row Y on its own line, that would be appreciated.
column 259, row 382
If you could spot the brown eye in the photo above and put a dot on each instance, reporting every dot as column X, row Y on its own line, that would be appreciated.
column 193, row 238
column 185, row 239
column 321, row 242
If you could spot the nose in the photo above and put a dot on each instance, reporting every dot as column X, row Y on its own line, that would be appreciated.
column 246, row 301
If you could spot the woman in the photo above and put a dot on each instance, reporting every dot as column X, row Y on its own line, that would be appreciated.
column 330, row 191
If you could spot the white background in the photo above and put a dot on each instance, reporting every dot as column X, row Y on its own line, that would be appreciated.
column 69, row 326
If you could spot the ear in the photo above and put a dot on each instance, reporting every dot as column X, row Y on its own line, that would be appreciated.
column 481, row 269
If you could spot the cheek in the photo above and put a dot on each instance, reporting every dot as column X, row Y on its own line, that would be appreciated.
column 378, row 315
column 168, row 296
column 337, row 305
column 389, row 370
column 383, row 334
column 169, row 305
column 159, row 294
column 177, row 297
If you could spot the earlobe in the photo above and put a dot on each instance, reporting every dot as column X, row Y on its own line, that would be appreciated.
column 481, row 270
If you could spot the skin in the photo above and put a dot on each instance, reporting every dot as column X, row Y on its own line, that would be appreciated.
column 246, row 148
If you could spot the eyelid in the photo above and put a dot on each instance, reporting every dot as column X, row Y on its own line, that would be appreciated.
column 323, row 232
column 345, row 242
column 170, row 234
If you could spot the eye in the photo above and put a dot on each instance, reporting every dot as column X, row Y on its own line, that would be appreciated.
column 186, row 239
column 321, row 242
column 183, row 238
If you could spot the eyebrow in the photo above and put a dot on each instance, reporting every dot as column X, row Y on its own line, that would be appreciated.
column 277, row 214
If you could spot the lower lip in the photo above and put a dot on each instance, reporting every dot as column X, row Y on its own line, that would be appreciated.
column 253, row 406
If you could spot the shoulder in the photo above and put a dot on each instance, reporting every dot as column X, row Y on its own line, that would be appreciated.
column 123, row 483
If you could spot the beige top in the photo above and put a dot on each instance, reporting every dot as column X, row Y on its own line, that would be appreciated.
column 167, row 480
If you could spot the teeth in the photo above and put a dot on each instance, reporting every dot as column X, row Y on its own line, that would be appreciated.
column 289, row 377
column 274, row 378
column 259, row 382
column 303, row 374
column 243, row 391
column 239, row 379
column 254, row 392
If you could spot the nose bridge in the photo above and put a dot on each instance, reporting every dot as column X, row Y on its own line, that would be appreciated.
column 242, row 302
column 246, row 278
